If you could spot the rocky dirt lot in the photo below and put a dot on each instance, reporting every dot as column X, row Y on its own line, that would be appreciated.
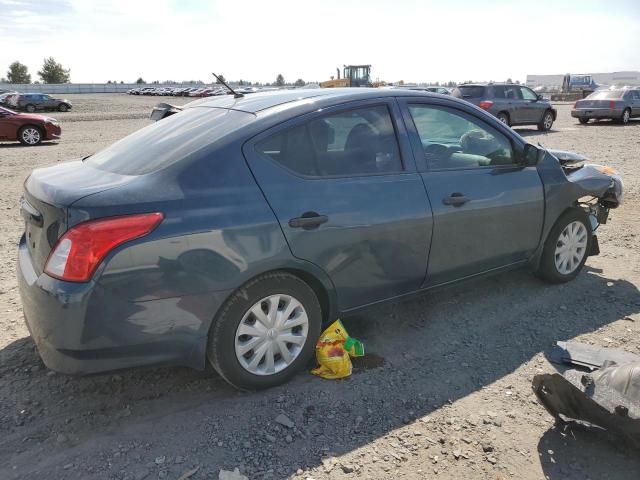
column 445, row 391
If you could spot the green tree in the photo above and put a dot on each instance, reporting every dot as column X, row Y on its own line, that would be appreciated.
column 18, row 73
column 222, row 79
column 300, row 83
column 279, row 80
column 53, row 72
column 140, row 81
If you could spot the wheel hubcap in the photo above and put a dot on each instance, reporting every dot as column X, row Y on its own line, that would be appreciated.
column 31, row 136
column 625, row 116
column 271, row 334
column 571, row 247
column 503, row 120
column 548, row 121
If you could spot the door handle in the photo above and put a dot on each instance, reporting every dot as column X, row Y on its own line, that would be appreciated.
column 308, row 220
column 456, row 199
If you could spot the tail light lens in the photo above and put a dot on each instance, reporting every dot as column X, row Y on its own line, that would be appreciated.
column 485, row 104
column 612, row 104
column 78, row 252
column 575, row 105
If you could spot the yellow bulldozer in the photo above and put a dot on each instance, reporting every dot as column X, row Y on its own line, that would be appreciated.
column 352, row 76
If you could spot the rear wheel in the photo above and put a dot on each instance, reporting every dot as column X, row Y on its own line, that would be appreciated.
column 30, row 135
column 566, row 248
column 30, row 108
column 626, row 116
column 63, row 107
column 504, row 118
column 547, row 122
column 583, row 121
column 266, row 332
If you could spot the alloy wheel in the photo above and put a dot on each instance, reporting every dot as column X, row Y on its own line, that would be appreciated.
column 548, row 121
column 571, row 248
column 271, row 334
column 31, row 136
column 625, row 116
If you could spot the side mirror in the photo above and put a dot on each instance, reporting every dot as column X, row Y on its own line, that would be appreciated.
column 540, row 97
column 531, row 155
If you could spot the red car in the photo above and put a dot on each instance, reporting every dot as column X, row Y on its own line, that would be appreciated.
column 27, row 128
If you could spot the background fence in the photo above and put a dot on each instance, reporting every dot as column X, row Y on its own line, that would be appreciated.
column 57, row 88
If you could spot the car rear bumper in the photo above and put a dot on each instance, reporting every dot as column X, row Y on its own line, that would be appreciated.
column 596, row 112
column 82, row 328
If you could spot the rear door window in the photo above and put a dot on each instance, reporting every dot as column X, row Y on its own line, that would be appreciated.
column 359, row 141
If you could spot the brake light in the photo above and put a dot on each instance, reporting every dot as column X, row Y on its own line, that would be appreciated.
column 486, row 104
column 612, row 104
column 575, row 105
column 78, row 252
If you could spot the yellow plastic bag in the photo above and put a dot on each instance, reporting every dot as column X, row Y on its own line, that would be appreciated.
column 334, row 351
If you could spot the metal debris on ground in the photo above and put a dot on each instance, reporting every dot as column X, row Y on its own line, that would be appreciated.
column 607, row 397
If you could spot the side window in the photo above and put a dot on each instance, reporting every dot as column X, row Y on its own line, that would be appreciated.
column 453, row 139
column 499, row 91
column 528, row 94
column 361, row 141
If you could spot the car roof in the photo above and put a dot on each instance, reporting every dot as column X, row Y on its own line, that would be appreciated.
column 259, row 101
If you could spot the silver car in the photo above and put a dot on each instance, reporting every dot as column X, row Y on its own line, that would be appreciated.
column 618, row 105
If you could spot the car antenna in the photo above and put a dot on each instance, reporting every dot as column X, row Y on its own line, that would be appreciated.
column 235, row 94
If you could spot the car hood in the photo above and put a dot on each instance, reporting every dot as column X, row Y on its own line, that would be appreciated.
column 35, row 118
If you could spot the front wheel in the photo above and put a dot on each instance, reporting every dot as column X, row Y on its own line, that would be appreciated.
column 63, row 107
column 30, row 108
column 265, row 332
column 546, row 123
column 566, row 248
column 30, row 135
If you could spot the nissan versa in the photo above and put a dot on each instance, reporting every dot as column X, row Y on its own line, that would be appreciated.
column 231, row 231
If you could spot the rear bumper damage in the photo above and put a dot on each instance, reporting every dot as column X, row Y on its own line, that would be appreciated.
column 82, row 328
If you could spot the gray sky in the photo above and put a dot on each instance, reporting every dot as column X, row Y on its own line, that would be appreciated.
column 417, row 41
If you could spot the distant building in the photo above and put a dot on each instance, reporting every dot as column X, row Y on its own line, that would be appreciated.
column 615, row 78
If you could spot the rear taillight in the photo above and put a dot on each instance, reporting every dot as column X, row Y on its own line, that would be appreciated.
column 78, row 252
column 612, row 104
column 486, row 104
column 575, row 105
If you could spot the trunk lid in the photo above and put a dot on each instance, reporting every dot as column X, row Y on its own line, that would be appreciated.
column 594, row 103
column 49, row 194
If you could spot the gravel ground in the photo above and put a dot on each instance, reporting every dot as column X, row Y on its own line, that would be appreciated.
column 444, row 392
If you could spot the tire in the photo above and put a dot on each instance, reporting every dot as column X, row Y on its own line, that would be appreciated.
column 547, row 121
column 625, row 117
column 572, row 228
column 236, row 328
column 30, row 135
column 30, row 108
column 504, row 118
column 584, row 121
column 63, row 107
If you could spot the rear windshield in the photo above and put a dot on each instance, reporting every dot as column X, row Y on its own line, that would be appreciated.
column 168, row 140
column 607, row 94
column 469, row 91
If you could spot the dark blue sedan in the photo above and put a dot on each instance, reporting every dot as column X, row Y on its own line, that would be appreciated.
column 233, row 230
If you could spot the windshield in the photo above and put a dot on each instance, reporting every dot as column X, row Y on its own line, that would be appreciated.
column 168, row 140
column 606, row 95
